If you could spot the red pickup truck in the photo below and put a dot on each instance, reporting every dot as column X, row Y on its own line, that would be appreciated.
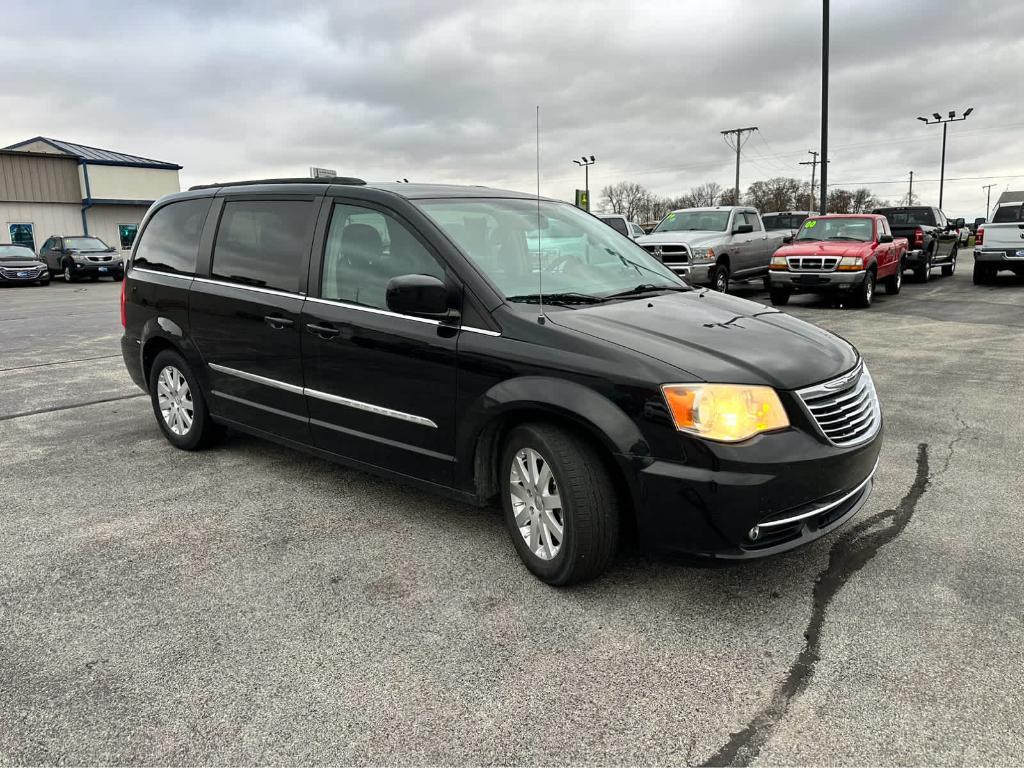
column 850, row 254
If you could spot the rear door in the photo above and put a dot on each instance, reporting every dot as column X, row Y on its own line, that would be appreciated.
column 244, row 311
column 380, row 386
column 948, row 239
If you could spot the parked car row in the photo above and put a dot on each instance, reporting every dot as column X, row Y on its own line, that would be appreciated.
column 74, row 257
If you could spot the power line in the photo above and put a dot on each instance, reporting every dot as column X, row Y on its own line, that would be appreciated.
column 734, row 137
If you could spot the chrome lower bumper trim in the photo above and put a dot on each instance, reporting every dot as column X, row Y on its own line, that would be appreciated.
column 822, row 509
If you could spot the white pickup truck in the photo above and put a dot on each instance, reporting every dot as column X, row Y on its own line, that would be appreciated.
column 710, row 246
column 999, row 244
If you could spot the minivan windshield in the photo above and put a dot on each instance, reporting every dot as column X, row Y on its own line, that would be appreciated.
column 85, row 244
column 694, row 221
column 571, row 252
column 862, row 230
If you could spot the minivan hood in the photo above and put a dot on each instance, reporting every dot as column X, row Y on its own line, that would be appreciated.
column 718, row 338
column 690, row 237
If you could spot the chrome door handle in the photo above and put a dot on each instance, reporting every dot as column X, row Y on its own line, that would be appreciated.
column 323, row 331
column 278, row 323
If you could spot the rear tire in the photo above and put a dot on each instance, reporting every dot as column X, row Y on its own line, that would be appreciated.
column 983, row 275
column 866, row 292
column 720, row 278
column 924, row 273
column 779, row 296
column 179, row 405
column 560, row 506
column 949, row 269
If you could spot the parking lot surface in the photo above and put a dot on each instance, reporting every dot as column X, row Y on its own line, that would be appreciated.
column 250, row 604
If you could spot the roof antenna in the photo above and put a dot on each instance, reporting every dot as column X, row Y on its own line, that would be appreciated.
column 540, row 243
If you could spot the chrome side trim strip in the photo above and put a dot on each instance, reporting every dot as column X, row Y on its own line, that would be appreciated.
column 162, row 274
column 243, row 287
column 824, row 508
column 371, row 408
column 293, row 388
column 372, row 310
column 481, row 331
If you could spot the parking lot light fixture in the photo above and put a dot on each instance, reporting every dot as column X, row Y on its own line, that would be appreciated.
column 944, row 121
column 585, row 163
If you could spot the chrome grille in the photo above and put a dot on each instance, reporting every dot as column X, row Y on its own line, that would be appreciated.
column 12, row 273
column 669, row 254
column 99, row 258
column 812, row 263
column 846, row 409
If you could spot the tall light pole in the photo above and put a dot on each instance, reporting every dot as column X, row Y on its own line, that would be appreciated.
column 944, row 121
column 824, row 106
column 585, row 164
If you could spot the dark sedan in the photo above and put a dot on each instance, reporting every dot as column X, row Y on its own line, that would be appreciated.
column 19, row 266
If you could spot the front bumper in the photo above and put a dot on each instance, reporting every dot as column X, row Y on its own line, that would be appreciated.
column 695, row 274
column 816, row 282
column 103, row 268
column 791, row 487
column 12, row 276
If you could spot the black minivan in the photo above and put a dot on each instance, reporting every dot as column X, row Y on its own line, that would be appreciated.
column 489, row 344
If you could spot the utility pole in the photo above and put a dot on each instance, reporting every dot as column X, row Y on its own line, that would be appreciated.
column 813, row 162
column 945, row 121
column 910, row 192
column 734, row 138
column 824, row 106
column 988, row 198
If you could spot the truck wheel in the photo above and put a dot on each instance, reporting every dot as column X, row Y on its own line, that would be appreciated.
column 779, row 296
column 866, row 292
column 894, row 283
column 179, row 405
column 561, row 509
column 983, row 275
column 720, row 278
column 924, row 273
column 949, row 269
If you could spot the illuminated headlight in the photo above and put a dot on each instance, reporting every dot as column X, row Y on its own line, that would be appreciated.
column 702, row 255
column 778, row 262
column 850, row 264
column 725, row 412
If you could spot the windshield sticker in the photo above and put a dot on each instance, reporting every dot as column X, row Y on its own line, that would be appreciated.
column 671, row 217
column 810, row 224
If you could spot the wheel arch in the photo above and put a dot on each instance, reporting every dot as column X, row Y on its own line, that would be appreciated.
column 160, row 333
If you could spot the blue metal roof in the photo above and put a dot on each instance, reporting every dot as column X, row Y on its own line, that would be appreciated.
column 96, row 156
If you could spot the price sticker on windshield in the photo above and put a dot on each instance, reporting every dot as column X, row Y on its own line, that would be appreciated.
column 811, row 224
column 671, row 217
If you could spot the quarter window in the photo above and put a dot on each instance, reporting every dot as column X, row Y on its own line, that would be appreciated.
column 170, row 242
column 262, row 243
column 364, row 250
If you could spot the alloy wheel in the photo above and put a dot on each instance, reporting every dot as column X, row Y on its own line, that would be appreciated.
column 536, row 504
column 67, row 273
column 175, row 400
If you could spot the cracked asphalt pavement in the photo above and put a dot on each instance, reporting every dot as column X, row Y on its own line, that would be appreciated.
column 249, row 604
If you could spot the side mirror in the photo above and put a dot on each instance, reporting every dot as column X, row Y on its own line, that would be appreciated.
column 787, row 239
column 959, row 223
column 417, row 295
column 743, row 229
column 883, row 238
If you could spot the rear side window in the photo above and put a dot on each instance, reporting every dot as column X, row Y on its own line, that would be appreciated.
column 909, row 218
column 262, row 243
column 1008, row 214
column 617, row 224
column 170, row 241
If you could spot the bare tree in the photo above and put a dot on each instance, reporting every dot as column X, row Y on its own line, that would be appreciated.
column 706, row 194
column 625, row 198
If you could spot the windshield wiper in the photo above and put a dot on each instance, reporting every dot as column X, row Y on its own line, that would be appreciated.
column 565, row 297
column 845, row 237
column 645, row 288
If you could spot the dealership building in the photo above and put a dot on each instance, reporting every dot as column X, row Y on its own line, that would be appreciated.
column 50, row 187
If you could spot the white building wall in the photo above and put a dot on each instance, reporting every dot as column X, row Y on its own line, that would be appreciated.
column 113, row 182
column 47, row 219
column 104, row 220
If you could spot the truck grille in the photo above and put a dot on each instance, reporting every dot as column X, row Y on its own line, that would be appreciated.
column 15, row 273
column 846, row 409
column 812, row 263
column 669, row 254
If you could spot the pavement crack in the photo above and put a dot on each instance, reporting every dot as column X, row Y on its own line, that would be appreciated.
column 56, row 408
column 851, row 552
column 58, row 362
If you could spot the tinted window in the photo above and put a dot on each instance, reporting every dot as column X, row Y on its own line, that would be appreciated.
column 637, row 230
column 1008, row 213
column 22, row 234
column 617, row 224
column 775, row 221
column 364, row 250
column 262, row 243
column 170, row 241
column 85, row 244
column 908, row 217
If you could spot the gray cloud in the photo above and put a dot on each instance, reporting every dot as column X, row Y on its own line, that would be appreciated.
column 445, row 91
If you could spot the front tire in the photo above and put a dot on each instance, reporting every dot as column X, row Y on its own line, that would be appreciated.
column 68, row 277
column 560, row 506
column 866, row 293
column 179, row 405
column 779, row 296
column 720, row 278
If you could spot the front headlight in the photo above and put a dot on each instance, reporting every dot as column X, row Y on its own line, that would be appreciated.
column 698, row 255
column 725, row 412
column 850, row 264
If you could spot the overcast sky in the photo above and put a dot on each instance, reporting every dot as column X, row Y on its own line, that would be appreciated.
column 446, row 91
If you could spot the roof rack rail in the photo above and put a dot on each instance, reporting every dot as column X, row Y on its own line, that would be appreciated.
column 301, row 180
